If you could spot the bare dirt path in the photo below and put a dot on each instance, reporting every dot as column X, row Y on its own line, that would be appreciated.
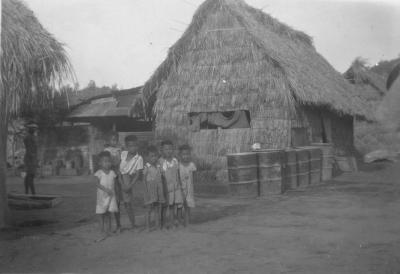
column 351, row 225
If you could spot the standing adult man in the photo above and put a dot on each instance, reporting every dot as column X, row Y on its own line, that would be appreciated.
column 30, row 159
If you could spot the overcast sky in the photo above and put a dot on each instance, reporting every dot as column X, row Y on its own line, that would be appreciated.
column 123, row 41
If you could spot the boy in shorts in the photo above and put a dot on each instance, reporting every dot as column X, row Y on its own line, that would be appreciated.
column 130, row 167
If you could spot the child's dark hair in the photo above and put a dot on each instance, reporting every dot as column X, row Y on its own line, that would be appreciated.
column 185, row 147
column 104, row 154
column 167, row 143
column 152, row 149
column 131, row 138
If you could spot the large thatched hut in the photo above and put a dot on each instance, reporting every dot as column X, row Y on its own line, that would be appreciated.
column 238, row 76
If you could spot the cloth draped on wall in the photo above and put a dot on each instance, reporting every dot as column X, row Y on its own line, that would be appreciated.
column 225, row 120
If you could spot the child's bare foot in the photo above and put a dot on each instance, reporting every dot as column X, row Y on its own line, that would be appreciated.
column 118, row 230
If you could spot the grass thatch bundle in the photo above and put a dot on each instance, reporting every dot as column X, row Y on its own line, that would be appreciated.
column 32, row 59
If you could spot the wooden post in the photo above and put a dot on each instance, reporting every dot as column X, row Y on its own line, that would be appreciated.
column 91, row 151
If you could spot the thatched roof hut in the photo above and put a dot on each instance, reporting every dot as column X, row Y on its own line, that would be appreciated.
column 388, row 112
column 368, row 85
column 234, row 57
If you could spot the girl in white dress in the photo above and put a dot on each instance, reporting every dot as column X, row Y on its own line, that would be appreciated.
column 114, row 148
column 106, row 200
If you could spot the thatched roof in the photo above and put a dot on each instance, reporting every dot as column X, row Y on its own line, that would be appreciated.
column 245, row 56
column 393, row 76
column 388, row 112
column 368, row 85
column 32, row 59
column 360, row 74
column 385, row 67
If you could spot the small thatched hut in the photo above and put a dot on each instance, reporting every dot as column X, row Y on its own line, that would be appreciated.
column 369, row 86
column 388, row 111
column 238, row 76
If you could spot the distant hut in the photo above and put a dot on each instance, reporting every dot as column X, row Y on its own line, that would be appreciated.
column 239, row 76
column 96, row 117
column 369, row 86
column 388, row 111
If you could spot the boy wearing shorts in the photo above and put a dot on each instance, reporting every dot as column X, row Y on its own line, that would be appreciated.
column 130, row 168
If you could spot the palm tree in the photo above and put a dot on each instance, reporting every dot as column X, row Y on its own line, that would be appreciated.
column 32, row 62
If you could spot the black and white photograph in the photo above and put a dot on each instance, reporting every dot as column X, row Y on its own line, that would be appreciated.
column 200, row 136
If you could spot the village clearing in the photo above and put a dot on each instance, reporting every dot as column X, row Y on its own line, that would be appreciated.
column 349, row 225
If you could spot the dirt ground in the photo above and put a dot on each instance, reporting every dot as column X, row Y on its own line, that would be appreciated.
column 350, row 225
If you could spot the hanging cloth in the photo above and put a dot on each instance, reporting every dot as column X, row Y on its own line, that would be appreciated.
column 234, row 119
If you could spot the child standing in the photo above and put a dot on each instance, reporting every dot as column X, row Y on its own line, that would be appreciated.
column 186, row 169
column 114, row 149
column 153, row 192
column 106, row 202
column 130, row 168
column 170, row 166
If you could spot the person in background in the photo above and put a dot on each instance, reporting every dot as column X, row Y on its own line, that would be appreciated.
column 114, row 148
column 131, row 167
column 153, row 188
column 30, row 158
column 173, row 192
column 106, row 202
column 186, row 169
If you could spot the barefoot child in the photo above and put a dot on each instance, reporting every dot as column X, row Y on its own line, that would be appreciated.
column 186, row 169
column 153, row 192
column 106, row 202
column 170, row 166
column 130, row 168
column 114, row 149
